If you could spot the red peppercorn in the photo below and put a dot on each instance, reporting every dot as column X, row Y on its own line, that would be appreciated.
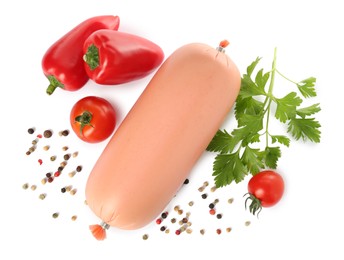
column 40, row 161
column 50, row 179
column 158, row 221
column 39, row 136
column 57, row 174
column 218, row 231
column 212, row 212
column 177, row 232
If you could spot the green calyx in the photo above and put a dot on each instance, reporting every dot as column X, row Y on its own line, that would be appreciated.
column 255, row 206
column 54, row 83
column 91, row 57
column 84, row 120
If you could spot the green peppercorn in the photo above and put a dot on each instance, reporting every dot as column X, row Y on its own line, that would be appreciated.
column 42, row 196
column 145, row 237
column 55, row 215
column 25, row 186
column 52, row 158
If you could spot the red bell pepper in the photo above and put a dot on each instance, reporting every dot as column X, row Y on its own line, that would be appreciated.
column 63, row 63
column 113, row 57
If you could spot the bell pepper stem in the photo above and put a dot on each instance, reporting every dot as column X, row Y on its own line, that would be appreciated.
column 54, row 83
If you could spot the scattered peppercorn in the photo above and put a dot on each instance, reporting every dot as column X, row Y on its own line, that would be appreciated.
column 47, row 133
column 42, row 196
column 204, row 195
column 185, row 220
column 173, row 220
column 230, row 201
column 69, row 188
column 39, row 136
column 213, row 189
column 176, row 208
column 50, row 179
column 218, row 231
column 79, row 168
column 164, row 215
column 74, row 217
column 64, row 133
column 167, row 231
column 219, row 216
column 48, row 174
column 191, row 203
column 163, row 228
column 180, row 212
column 34, row 142
column 178, row 232
column 31, row 130
column 228, row 229
column 63, row 190
column 46, row 147
column 145, row 237
column 25, row 186
column 247, row 223
column 64, row 148
column 44, row 181
column 71, row 174
column 212, row 212
column 55, row 215
column 211, row 205
column 75, row 154
column 40, row 161
column 32, row 149
column 73, row 191
column 202, row 231
column 158, row 221
column 189, row 230
column 33, row 187
column 60, row 168
column 52, row 158
column 28, row 152
column 186, row 181
column 66, row 156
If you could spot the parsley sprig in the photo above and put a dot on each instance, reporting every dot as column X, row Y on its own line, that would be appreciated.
column 242, row 151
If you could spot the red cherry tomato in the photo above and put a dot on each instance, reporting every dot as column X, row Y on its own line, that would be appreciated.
column 265, row 189
column 93, row 119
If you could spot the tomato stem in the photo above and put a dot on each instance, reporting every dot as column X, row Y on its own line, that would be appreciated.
column 84, row 119
column 255, row 205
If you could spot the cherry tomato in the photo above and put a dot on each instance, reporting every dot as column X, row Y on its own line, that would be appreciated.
column 93, row 119
column 265, row 189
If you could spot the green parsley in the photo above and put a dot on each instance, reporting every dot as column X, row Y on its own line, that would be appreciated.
column 252, row 145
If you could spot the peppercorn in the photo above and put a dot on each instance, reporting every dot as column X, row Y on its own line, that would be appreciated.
column 33, row 187
column 163, row 228
column 34, row 142
column 55, row 215
column 42, row 196
column 173, row 220
column 167, row 231
column 60, row 168
column 164, row 215
column 191, row 203
column 47, row 133
column 230, row 201
column 44, row 181
column 64, row 133
column 69, row 188
column 145, row 237
column 247, row 223
column 176, row 208
column 75, row 154
column 64, row 148
column 39, row 136
column 186, row 181
column 180, row 212
column 25, row 186
column 74, row 217
column 73, row 191
column 66, row 156
column 31, row 130
column 185, row 220
column 46, row 148
column 189, row 230
column 48, row 174
column 211, row 205
column 213, row 189
column 40, row 161
column 28, row 152
column 212, row 212
column 52, row 158
column 228, row 229
column 219, row 216
column 218, row 231
column 202, row 231
column 158, row 221
column 204, row 195
column 79, row 168
column 63, row 190
column 32, row 149
column 50, row 179
column 71, row 174
column 178, row 232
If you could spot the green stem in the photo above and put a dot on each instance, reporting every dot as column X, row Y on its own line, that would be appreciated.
column 270, row 95
column 286, row 77
column 54, row 83
column 91, row 57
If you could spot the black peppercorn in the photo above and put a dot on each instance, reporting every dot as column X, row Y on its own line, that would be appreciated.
column 204, row 195
column 186, row 181
column 31, row 130
column 211, row 205
column 47, row 133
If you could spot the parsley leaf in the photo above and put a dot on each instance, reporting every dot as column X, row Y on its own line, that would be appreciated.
column 307, row 88
column 228, row 168
column 252, row 158
column 271, row 156
column 308, row 111
column 220, row 142
column 282, row 139
column 286, row 106
column 305, row 128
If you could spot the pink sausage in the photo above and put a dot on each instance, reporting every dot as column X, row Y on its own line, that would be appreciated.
column 162, row 137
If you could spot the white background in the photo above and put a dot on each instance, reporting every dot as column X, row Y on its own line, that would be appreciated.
column 307, row 223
